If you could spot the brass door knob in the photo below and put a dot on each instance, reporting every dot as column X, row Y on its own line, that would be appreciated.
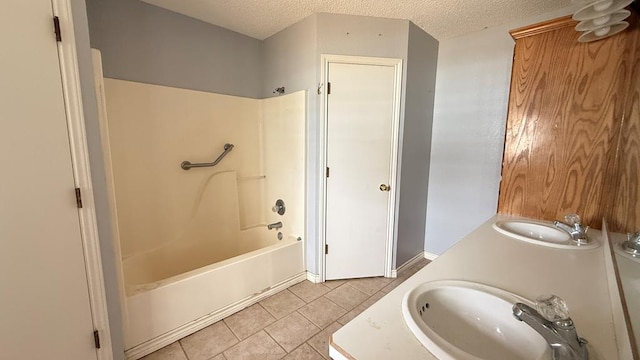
column 385, row 187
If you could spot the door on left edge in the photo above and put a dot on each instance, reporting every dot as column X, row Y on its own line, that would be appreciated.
column 44, row 299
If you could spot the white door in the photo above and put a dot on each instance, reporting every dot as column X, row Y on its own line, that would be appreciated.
column 360, row 134
column 44, row 299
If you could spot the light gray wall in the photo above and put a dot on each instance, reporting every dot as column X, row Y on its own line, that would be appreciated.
column 290, row 61
column 145, row 43
column 418, row 119
column 98, row 176
column 362, row 36
column 472, row 92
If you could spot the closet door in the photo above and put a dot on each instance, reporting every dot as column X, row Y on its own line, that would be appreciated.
column 360, row 138
column 566, row 107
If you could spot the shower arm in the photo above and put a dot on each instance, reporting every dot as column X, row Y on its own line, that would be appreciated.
column 186, row 165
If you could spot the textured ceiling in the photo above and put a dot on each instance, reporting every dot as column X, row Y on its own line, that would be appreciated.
column 441, row 18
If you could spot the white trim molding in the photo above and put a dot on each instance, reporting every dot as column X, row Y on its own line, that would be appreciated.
column 82, row 175
column 413, row 261
column 314, row 278
column 325, row 60
column 430, row 256
column 409, row 264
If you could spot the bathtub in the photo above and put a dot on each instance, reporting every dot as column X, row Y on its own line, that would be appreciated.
column 169, row 296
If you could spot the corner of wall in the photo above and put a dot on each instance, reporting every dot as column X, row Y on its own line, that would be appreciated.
column 472, row 86
column 112, row 289
column 416, row 141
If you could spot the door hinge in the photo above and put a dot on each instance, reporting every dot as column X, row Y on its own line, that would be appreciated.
column 56, row 28
column 96, row 339
column 326, row 249
column 328, row 88
column 78, row 198
column 327, row 171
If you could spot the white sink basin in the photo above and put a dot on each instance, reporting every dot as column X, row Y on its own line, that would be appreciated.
column 540, row 233
column 457, row 320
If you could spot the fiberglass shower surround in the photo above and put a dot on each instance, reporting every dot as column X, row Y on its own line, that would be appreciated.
column 187, row 234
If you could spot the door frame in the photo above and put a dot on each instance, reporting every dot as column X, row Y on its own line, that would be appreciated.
column 325, row 60
column 71, row 89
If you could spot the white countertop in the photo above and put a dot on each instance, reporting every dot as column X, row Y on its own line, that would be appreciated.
column 488, row 257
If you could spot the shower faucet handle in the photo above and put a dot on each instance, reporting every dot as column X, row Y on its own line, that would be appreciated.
column 279, row 207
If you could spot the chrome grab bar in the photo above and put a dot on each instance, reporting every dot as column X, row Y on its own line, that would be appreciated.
column 186, row 165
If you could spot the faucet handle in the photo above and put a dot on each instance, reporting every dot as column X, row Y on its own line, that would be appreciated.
column 634, row 238
column 572, row 219
column 552, row 308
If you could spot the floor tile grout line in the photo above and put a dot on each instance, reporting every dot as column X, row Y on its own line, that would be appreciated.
column 295, row 295
column 311, row 321
column 276, row 341
column 253, row 333
column 360, row 303
column 312, row 285
column 314, row 349
column 353, row 287
column 231, row 331
column 333, row 302
column 211, row 358
column 366, row 293
column 182, row 348
column 229, row 327
column 298, row 347
column 265, row 309
column 228, row 347
column 320, row 329
column 326, row 298
column 274, row 315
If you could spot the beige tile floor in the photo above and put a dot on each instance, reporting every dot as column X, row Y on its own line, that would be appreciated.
column 295, row 323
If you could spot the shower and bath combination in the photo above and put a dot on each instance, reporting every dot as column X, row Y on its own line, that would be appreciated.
column 204, row 230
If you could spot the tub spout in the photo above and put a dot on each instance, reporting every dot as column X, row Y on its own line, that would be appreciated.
column 276, row 225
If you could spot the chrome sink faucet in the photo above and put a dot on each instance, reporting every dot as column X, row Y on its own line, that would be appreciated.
column 276, row 225
column 555, row 326
column 635, row 238
column 574, row 228
column 632, row 245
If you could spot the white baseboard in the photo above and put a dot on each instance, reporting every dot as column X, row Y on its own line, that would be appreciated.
column 411, row 262
column 165, row 339
column 313, row 278
column 430, row 256
column 414, row 260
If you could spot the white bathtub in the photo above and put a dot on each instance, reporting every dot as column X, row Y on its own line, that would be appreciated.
column 169, row 296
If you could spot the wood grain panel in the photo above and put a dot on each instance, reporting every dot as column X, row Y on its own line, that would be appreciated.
column 563, row 124
column 624, row 211
column 542, row 27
